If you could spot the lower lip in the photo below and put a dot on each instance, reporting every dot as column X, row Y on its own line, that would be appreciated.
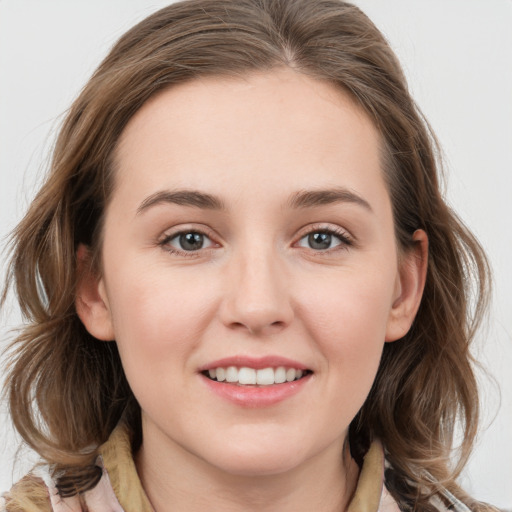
column 256, row 396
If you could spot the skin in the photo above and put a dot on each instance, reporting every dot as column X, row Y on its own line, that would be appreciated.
column 257, row 287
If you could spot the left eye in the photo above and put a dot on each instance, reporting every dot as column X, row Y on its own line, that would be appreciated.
column 321, row 240
column 189, row 241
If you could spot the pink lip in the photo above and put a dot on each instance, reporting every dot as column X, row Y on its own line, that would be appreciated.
column 256, row 396
column 254, row 362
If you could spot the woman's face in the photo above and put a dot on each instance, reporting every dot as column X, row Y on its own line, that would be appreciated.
column 250, row 228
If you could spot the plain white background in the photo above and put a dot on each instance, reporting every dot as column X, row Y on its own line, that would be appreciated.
column 457, row 55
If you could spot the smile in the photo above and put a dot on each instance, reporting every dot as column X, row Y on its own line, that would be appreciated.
column 246, row 376
column 254, row 382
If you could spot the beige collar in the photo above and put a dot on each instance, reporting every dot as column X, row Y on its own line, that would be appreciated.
column 118, row 461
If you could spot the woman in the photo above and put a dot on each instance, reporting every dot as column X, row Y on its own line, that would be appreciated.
column 245, row 198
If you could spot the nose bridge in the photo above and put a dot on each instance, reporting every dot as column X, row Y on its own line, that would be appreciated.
column 258, row 300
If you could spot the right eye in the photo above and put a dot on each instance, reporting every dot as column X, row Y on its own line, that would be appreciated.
column 187, row 242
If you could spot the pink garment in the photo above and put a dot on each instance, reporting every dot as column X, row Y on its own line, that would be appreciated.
column 120, row 489
column 99, row 499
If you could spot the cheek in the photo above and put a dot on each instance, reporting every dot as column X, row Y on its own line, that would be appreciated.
column 353, row 303
column 157, row 320
column 158, row 326
column 348, row 321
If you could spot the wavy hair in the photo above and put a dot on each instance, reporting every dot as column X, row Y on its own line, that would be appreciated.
column 425, row 383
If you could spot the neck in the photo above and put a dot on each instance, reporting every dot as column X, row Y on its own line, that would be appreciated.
column 176, row 480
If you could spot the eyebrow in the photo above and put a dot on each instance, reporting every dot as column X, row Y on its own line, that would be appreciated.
column 184, row 197
column 298, row 200
column 312, row 198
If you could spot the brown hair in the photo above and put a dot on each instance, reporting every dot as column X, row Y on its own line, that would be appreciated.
column 425, row 382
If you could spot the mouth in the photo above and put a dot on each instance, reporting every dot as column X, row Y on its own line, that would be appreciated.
column 256, row 382
column 260, row 377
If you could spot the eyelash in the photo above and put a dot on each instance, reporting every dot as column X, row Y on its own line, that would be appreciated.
column 164, row 243
column 346, row 240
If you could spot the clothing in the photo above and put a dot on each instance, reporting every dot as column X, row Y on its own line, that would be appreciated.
column 120, row 489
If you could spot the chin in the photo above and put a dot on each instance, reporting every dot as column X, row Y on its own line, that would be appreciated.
column 257, row 466
column 256, row 460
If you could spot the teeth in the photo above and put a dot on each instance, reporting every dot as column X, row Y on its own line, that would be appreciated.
column 232, row 374
column 247, row 376
column 280, row 375
column 251, row 376
column 290, row 374
column 265, row 377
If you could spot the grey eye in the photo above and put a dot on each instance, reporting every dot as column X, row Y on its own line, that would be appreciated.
column 320, row 240
column 189, row 241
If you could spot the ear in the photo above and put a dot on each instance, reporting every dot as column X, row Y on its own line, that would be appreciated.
column 411, row 278
column 91, row 300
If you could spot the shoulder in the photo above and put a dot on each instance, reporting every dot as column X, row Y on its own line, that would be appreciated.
column 30, row 494
column 441, row 500
column 38, row 493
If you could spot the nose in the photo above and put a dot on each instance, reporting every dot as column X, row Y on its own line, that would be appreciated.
column 257, row 298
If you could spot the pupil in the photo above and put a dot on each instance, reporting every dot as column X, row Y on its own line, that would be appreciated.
column 319, row 240
column 191, row 241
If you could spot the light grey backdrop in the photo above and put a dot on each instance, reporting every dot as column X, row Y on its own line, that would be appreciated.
column 458, row 57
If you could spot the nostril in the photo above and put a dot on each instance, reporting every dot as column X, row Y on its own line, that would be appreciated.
column 239, row 326
column 255, row 328
column 266, row 328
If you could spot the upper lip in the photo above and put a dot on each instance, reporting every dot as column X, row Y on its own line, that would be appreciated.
column 271, row 361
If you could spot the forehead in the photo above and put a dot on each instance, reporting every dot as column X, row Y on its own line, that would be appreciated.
column 274, row 131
